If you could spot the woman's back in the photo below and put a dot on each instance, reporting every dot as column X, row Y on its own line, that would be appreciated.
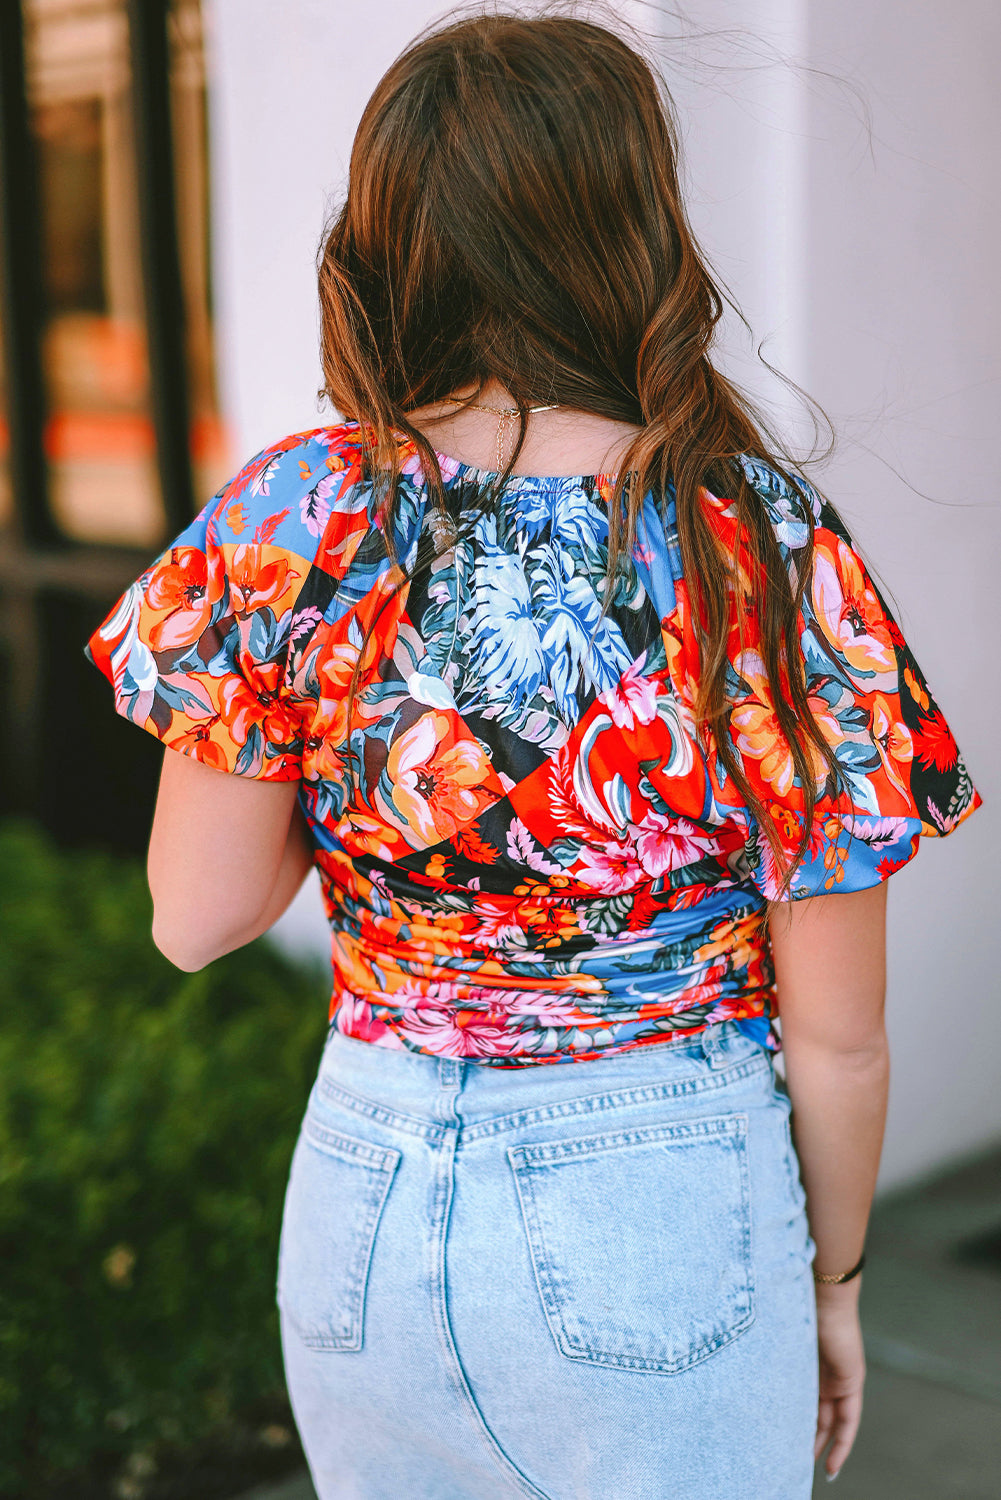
column 530, row 849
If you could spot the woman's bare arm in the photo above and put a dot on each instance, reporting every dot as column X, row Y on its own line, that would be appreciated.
column 830, row 962
column 226, row 856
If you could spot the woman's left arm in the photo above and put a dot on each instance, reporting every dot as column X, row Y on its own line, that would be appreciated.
column 227, row 854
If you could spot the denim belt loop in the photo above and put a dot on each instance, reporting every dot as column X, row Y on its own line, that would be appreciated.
column 450, row 1072
column 712, row 1046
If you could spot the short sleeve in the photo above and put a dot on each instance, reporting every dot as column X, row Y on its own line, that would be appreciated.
column 197, row 649
column 902, row 772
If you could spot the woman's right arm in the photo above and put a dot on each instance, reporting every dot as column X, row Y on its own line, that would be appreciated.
column 830, row 965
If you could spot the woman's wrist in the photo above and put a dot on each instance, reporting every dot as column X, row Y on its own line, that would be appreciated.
column 831, row 1278
column 836, row 1295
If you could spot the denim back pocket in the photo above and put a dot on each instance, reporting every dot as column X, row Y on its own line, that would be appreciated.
column 336, row 1193
column 641, row 1241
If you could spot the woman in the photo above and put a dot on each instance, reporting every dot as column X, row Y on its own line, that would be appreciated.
column 602, row 741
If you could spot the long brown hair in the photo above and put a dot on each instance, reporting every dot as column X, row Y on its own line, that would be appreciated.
column 514, row 211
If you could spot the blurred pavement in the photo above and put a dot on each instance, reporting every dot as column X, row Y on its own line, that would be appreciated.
column 931, row 1317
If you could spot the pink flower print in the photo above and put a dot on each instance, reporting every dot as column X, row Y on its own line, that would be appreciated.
column 633, row 700
column 456, row 1032
column 665, row 844
column 611, row 869
column 498, row 926
column 412, row 466
column 356, row 1017
column 547, row 1007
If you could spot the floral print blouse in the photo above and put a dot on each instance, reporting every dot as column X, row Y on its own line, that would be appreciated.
column 528, row 850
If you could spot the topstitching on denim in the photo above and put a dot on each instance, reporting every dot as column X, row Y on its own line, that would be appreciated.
column 322, row 1276
column 560, row 1262
column 587, row 1104
column 442, row 1189
column 582, row 1104
column 411, row 1124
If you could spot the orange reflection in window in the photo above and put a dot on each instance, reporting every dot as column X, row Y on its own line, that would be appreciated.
column 99, row 437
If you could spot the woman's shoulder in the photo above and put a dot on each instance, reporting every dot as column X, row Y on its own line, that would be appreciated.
column 293, row 492
column 789, row 500
column 796, row 510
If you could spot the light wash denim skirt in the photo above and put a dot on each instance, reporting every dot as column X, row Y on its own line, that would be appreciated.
column 573, row 1281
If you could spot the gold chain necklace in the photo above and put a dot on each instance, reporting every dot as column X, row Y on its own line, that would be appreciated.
column 506, row 414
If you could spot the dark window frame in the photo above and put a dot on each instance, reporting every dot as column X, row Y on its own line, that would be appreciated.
column 45, row 574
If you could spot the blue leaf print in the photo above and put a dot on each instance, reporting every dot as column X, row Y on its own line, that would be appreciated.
column 445, row 623
column 511, row 662
column 581, row 648
column 566, row 510
column 267, row 636
column 657, row 558
column 251, row 751
column 589, row 815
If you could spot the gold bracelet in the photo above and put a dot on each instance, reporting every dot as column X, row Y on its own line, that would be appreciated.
column 845, row 1275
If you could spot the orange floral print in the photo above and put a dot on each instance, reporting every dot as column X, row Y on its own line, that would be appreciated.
column 438, row 781
column 254, row 582
column 850, row 614
column 243, row 707
column 188, row 588
column 896, row 747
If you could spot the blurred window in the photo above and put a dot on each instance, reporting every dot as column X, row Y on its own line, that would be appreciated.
column 99, row 436
column 6, row 505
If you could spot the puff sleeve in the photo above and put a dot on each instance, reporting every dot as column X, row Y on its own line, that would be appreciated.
column 197, row 649
column 902, row 771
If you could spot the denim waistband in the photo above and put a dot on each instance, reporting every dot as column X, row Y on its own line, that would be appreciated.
column 428, row 1096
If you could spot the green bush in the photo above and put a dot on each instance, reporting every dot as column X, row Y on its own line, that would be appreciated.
column 147, row 1120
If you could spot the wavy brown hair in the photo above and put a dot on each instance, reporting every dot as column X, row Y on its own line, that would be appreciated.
column 513, row 210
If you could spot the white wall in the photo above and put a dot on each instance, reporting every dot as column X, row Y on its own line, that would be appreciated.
column 905, row 350
column 869, row 268
column 843, row 179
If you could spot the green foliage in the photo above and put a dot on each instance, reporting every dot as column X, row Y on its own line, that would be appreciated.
column 147, row 1120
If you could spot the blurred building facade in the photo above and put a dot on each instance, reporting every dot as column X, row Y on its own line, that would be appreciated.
column 109, row 422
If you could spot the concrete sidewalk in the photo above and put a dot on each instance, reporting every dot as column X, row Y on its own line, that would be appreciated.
column 931, row 1317
column 931, row 1314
